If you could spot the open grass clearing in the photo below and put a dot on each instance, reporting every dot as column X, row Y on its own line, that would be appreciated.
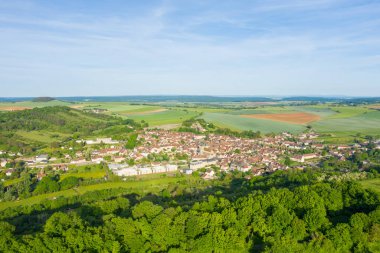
column 373, row 184
column 12, row 181
column 84, row 175
column 42, row 136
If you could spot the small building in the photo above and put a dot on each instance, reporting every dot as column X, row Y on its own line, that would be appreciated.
column 198, row 164
column 3, row 162
column 44, row 158
column 144, row 171
column 158, row 169
column 97, row 159
column 126, row 172
column 209, row 175
column 9, row 172
column 118, row 159
column 302, row 158
column 171, row 167
column 188, row 171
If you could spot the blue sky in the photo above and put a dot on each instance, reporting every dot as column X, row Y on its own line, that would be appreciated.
column 215, row 47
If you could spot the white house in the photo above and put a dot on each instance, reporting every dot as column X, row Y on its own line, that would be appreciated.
column 144, row 171
column 158, row 169
column 126, row 172
column 9, row 172
column 3, row 162
column 188, row 171
column 195, row 165
column 44, row 158
column 171, row 167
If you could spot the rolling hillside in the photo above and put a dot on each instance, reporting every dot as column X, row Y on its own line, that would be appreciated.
column 19, row 129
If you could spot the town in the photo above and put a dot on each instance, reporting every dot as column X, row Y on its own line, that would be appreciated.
column 162, row 151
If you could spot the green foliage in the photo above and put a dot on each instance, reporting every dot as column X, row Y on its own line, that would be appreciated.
column 69, row 182
column 43, row 99
column 47, row 184
column 293, row 219
column 132, row 141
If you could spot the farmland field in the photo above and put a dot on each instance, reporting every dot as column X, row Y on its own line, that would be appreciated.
column 338, row 123
column 342, row 123
column 296, row 118
column 120, row 108
column 172, row 116
column 236, row 122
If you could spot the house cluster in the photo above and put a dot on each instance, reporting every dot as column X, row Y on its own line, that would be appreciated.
column 126, row 170
column 227, row 153
column 98, row 141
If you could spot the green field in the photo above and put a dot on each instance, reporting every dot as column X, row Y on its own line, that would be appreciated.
column 119, row 107
column 340, row 123
column 367, row 123
column 148, row 113
column 84, row 175
column 42, row 136
column 84, row 172
column 373, row 184
column 171, row 116
column 151, row 185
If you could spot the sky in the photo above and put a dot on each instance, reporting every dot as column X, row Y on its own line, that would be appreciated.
column 210, row 47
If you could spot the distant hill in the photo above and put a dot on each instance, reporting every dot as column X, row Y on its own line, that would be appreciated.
column 220, row 99
column 43, row 99
column 196, row 99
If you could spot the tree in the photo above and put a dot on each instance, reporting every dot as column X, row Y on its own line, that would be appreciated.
column 47, row 184
column 315, row 218
column 147, row 209
column 287, row 161
column 69, row 182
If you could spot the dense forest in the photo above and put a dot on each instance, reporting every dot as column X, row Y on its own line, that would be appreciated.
column 283, row 212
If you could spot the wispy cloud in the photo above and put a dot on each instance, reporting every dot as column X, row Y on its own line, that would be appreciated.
column 170, row 46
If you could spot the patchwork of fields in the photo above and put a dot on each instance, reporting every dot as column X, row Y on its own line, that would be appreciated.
column 337, row 123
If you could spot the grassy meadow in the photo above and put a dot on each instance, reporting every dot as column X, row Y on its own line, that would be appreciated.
column 373, row 184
